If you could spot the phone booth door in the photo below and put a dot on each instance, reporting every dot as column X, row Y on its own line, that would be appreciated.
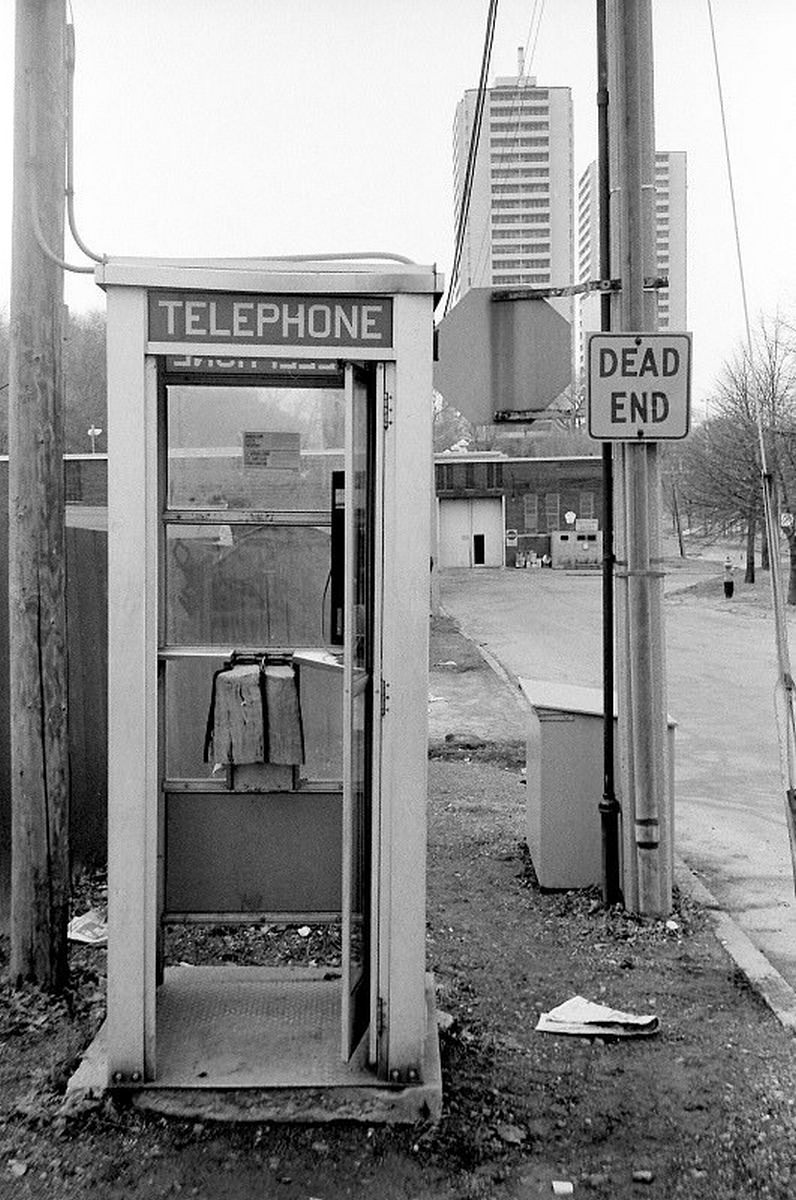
column 267, row 812
column 360, row 664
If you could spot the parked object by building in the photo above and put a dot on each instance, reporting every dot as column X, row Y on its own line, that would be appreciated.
column 577, row 547
column 492, row 509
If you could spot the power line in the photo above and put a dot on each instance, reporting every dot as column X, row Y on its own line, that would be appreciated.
column 472, row 150
column 529, row 53
column 785, row 696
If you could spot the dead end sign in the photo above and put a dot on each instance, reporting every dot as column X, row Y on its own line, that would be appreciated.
column 639, row 386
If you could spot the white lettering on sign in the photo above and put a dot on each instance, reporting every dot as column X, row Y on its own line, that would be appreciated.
column 320, row 367
column 320, row 320
column 267, row 314
column 217, row 330
column 369, row 312
column 194, row 314
column 639, row 385
column 272, row 320
column 169, row 306
column 241, row 315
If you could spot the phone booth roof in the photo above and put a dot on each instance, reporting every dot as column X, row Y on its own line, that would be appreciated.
column 288, row 275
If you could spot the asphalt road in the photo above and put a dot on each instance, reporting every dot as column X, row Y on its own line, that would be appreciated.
column 721, row 669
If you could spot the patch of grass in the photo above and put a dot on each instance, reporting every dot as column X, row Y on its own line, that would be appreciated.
column 450, row 650
column 509, row 754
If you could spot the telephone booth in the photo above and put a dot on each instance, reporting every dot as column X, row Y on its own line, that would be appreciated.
column 269, row 499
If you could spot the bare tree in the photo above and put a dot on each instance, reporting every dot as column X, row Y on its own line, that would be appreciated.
column 84, row 379
column 84, row 373
column 775, row 381
column 450, row 427
column 720, row 467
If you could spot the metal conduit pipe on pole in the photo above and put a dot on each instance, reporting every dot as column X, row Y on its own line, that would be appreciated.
column 609, row 805
column 640, row 657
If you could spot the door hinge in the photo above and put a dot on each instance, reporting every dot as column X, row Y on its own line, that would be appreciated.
column 385, row 697
column 388, row 414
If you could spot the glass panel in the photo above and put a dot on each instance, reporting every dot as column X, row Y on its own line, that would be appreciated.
column 357, row 788
column 359, row 815
column 257, row 448
column 188, row 693
column 247, row 585
column 320, row 676
column 189, row 686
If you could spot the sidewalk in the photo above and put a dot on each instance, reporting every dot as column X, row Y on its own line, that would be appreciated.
column 706, row 1080
column 702, row 1110
column 471, row 699
column 476, row 711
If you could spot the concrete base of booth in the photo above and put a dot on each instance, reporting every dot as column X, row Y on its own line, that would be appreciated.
column 212, row 1026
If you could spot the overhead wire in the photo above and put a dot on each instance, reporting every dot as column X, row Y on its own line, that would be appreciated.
column 472, row 152
column 785, row 697
column 70, row 147
column 529, row 52
column 514, row 130
column 69, row 191
column 345, row 256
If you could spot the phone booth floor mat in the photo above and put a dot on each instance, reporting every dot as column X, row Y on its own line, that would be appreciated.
column 251, row 1027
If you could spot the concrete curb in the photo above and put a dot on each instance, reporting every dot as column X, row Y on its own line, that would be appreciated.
column 772, row 988
column 511, row 681
column 762, row 977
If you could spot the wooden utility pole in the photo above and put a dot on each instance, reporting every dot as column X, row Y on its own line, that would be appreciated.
column 37, row 609
column 640, row 656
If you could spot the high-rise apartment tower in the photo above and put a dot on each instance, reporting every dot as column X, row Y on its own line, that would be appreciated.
column 520, row 227
column 670, row 243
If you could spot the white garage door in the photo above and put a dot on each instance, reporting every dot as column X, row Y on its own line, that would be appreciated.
column 471, row 533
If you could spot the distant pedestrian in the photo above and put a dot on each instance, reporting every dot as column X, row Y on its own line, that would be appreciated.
column 729, row 585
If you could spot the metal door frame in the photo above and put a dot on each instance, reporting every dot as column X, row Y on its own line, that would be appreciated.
column 375, row 395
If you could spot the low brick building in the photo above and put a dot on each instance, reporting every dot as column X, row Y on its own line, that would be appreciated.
column 492, row 509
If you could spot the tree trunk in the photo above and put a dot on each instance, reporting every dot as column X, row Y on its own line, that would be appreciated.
column 765, row 562
column 678, row 528
column 749, row 577
column 791, row 533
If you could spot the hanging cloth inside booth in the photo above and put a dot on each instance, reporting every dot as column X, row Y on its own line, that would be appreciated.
column 255, row 713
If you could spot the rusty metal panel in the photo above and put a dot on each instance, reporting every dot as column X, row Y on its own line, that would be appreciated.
column 261, row 852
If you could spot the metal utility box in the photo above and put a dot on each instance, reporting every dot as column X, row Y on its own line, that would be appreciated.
column 269, row 539
column 576, row 548
column 564, row 768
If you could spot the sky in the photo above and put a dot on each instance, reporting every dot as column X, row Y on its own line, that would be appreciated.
column 264, row 127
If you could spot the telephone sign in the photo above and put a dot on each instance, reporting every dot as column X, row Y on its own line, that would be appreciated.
column 270, row 320
column 639, row 386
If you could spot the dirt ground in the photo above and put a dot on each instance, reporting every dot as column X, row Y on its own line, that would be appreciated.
column 702, row 1110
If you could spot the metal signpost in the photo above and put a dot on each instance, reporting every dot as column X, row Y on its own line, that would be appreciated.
column 629, row 206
